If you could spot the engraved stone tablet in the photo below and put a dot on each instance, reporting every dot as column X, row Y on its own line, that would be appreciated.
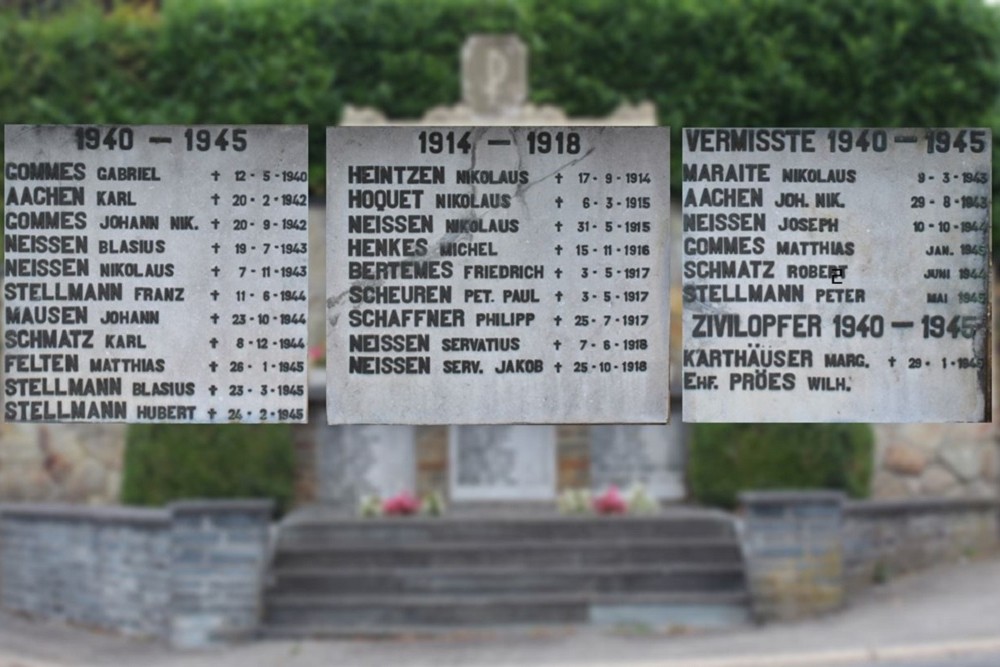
column 836, row 275
column 493, row 463
column 497, row 275
column 155, row 273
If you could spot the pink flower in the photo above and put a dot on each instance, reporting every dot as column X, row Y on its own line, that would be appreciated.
column 610, row 502
column 317, row 355
column 403, row 504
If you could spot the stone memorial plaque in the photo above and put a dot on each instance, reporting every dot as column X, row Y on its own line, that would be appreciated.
column 365, row 460
column 836, row 275
column 650, row 455
column 497, row 275
column 155, row 273
column 496, row 463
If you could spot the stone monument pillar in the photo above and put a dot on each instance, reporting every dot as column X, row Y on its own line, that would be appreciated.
column 496, row 463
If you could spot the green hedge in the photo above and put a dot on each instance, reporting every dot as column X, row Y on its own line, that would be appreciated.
column 165, row 462
column 725, row 459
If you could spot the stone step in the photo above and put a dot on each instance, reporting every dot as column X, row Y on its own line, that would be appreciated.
column 384, row 531
column 539, row 553
column 344, row 613
column 495, row 580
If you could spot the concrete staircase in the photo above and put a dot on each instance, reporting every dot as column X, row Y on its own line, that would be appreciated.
column 335, row 576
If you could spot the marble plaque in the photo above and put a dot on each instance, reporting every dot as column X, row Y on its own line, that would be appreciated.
column 155, row 273
column 492, row 463
column 497, row 275
column 650, row 455
column 836, row 274
column 365, row 460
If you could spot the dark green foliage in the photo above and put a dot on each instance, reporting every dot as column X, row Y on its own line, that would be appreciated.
column 165, row 462
column 725, row 459
column 703, row 62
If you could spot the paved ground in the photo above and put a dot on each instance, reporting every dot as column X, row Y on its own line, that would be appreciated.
column 931, row 616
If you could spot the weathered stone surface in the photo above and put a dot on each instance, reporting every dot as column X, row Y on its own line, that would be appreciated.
column 104, row 443
column 938, row 481
column 179, row 326
column 982, row 489
column 905, row 459
column 932, row 434
column 499, row 220
column 890, row 485
column 496, row 463
column 68, row 462
column 87, row 482
column 139, row 572
column 887, row 539
column 494, row 73
column 365, row 460
column 648, row 455
column 988, row 464
column 813, row 220
column 963, row 459
column 965, row 456
column 642, row 114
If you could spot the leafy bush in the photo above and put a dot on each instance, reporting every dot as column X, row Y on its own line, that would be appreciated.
column 165, row 462
column 726, row 459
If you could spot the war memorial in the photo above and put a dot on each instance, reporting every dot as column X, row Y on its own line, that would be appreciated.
column 496, row 306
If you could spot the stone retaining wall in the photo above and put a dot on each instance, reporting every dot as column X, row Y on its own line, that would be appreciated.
column 191, row 573
column 807, row 552
column 935, row 461
column 883, row 539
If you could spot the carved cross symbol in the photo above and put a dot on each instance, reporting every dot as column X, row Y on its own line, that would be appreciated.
column 213, row 366
column 215, row 294
column 215, row 175
column 558, row 344
column 559, row 177
column 215, row 224
column 559, row 250
column 559, row 295
column 558, row 226
column 558, row 319
column 558, row 273
column 215, row 199
column 213, row 389
column 558, row 367
column 215, row 318
column 214, row 342
column 559, row 202
column 215, row 247
column 211, row 413
column 215, row 270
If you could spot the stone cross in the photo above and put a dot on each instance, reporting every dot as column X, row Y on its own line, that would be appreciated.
column 494, row 74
